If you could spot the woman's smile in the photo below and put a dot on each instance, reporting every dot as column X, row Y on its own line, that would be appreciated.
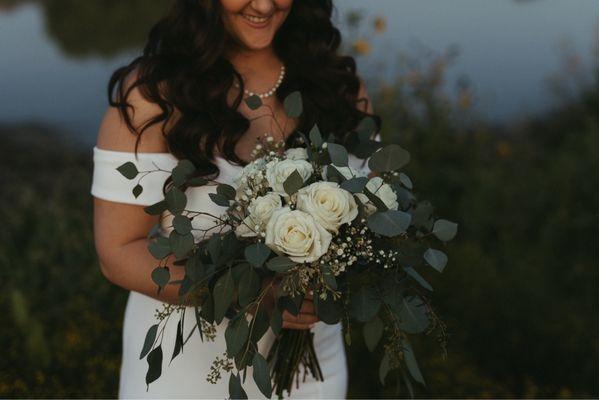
column 255, row 21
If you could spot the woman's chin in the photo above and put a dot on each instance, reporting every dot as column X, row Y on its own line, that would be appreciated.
column 255, row 45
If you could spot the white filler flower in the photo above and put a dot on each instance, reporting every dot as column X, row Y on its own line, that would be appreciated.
column 330, row 205
column 297, row 235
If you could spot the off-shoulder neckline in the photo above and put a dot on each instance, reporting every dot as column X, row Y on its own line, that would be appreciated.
column 157, row 154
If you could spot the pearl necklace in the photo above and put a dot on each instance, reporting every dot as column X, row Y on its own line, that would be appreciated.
column 271, row 91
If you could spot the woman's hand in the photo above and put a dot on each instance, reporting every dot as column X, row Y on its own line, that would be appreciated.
column 305, row 319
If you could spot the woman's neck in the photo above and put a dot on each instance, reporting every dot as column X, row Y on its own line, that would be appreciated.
column 255, row 62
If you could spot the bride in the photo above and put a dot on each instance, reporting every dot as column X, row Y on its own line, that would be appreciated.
column 183, row 98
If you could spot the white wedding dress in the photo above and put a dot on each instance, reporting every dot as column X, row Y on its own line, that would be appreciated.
column 185, row 376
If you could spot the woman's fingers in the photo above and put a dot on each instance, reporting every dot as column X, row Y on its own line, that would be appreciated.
column 293, row 325
column 300, row 321
column 304, row 320
column 307, row 307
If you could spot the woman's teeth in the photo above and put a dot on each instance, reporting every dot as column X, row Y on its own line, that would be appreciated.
column 257, row 20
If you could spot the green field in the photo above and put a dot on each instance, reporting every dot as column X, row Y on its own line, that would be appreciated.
column 519, row 294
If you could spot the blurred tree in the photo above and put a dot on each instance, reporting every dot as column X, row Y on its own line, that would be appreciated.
column 100, row 27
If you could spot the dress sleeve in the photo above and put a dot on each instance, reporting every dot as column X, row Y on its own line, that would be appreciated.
column 109, row 184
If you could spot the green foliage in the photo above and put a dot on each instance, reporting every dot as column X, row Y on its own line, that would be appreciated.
column 293, row 104
column 389, row 223
column 293, row 183
column 389, row 158
column 61, row 332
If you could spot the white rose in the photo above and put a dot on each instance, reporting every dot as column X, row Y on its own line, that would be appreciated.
column 297, row 153
column 277, row 173
column 330, row 205
column 383, row 191
column 260, row 211
column 297, row 235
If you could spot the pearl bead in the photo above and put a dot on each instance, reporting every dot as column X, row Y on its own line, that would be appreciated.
column 271, row 91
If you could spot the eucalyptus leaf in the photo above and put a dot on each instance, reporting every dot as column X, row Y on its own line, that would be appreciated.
column 215, row 247
column 260, row 324
column 293, row 183
column 411, row 363
column 257, row 254
column 154, row 365
column 389, row 158
column 128, row 170
column 421, row 215
column 413, row 316
column 384, row 368
column 195, row 268
column 181, row 244
column 338, row 154
column 161, row 276
column 223, row 295
column 176, row 200
column 219, row 199
column 197, row 181
column 355, row 185
column 178, row 341
column 445, row 230
column 182, row 172
column 253, row 102
column 316, row 137
column 280, row 264
column 227, row 191
column 157, row 208
column 160, row 248
column 261, row 374
column 406, row 181
column 137, row 190
column 276, row 321
column 149, row 341
column 436, row 259
column 328, row 276
column 293, row 104
column 236, row 335
column 366, row 129
column 389, row 223
column 293, row 304
column 249, row 286
column 418, row 278
column 364, row 304
column 182, row 224
column 235, row 389
column 207, row 310
column 408, row 383
column 373, row 332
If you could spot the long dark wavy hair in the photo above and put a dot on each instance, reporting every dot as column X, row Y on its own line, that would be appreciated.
column 183, row 68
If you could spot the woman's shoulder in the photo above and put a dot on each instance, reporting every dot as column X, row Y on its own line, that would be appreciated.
column 116, row 135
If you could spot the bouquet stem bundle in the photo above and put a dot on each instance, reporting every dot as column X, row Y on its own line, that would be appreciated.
column 291, row 350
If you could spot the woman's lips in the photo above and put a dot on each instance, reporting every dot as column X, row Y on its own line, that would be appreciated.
column 256, row 22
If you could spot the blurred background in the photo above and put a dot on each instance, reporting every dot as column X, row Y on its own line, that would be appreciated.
column 498, row 102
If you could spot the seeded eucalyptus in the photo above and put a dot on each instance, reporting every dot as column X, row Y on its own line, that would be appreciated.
column 365, row 249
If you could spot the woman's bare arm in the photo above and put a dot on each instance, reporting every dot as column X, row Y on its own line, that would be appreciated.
column 120, row 230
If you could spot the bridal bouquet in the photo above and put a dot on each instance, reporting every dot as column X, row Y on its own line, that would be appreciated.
column 301, row 222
